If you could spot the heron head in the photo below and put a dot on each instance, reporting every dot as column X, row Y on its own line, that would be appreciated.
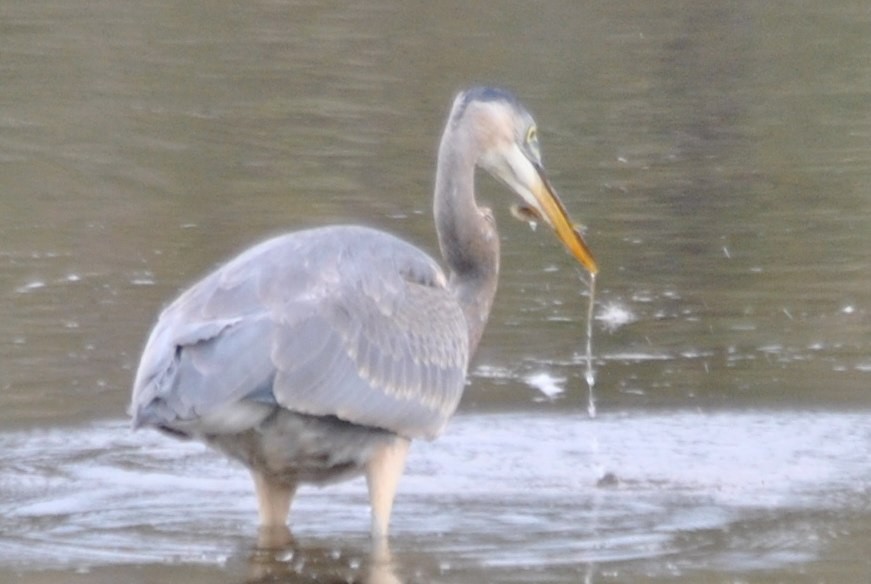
column 507, row 138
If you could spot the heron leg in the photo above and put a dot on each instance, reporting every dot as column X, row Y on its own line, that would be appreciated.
column 382, row 477
column 273, row 500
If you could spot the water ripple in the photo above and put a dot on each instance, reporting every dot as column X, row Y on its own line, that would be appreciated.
column 496, row 490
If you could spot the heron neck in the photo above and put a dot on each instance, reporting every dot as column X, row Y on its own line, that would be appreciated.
column 467, row 234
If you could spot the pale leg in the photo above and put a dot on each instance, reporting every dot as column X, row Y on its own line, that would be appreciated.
column 382, row 477
column 273, row 501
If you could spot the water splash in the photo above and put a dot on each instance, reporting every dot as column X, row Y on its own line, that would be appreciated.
column 590, row 374
column 614, row 315
column 546, row 384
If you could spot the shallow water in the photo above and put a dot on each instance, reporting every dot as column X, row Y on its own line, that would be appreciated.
column 717, row 155
column 621, row 496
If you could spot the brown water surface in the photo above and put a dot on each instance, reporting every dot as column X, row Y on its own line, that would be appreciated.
column 719, row 155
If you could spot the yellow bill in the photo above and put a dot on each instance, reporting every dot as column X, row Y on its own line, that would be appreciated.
column 552, row 210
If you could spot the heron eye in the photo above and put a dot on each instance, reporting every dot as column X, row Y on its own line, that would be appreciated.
column 532, row 135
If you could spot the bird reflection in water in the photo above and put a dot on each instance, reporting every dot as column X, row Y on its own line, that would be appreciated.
column 281, row 559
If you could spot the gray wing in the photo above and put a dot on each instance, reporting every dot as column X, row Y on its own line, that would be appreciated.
column 343, row 321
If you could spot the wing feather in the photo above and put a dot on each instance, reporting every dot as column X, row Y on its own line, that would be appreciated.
column 345, row 322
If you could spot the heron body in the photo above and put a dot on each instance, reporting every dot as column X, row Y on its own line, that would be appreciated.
column 318, row 355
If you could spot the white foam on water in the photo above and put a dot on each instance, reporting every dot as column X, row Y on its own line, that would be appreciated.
column 546, row 383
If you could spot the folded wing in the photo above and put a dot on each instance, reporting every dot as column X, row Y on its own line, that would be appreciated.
column 341, row 321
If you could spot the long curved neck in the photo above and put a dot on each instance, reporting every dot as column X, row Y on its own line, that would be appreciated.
column 466, row 232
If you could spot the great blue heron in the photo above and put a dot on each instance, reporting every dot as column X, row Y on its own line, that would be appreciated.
column 319, row 355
